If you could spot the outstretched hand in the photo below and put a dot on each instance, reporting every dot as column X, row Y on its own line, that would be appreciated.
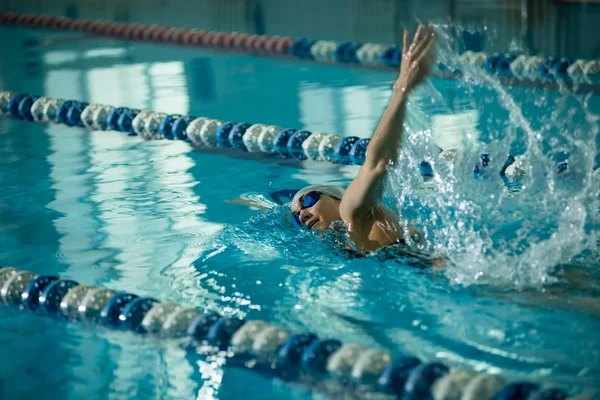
column 416, row 59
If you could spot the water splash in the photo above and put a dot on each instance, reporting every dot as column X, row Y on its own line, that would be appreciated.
column 508, row 232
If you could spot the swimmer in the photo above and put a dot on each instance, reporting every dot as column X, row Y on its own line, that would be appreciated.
column 368, row 223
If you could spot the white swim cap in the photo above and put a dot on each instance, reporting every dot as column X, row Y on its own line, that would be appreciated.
column 329, row 190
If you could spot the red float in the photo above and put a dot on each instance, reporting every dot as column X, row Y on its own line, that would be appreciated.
column 249, row 44
column 148, row 31
column 165, row 36
column 114, row 29
column 38, row 20
column 217, row 40
column 269, row 45
column 95, row 27
column 106, row 28
column 197, row 37
column 259, row 44
column 206, row 40
column 86, row 24
column 229, row 39
column 77, row 25
column 24, row 19
column 282, row 45
column 137, row 31
column 52, row 22
column 158, row 33
column 129, row 30
column 186, row 38
column 239, row 42
column 177, row 35
column 12, row 18
column 64, row 23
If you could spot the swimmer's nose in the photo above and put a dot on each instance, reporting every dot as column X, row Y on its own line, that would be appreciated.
column 305, row 215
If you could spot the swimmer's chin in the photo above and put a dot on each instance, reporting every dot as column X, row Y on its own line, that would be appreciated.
column 322, row 226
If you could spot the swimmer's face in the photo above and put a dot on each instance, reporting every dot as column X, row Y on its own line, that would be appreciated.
column 319, row 215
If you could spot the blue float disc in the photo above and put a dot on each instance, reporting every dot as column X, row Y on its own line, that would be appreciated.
column 341, row 52
column 504, row 62
column 491, row 63
column 25, row 107
column 485, row 160
column 74, row 113
column 62, row 112
column 548, row 394
column 342, row 149
column 166, row 126
column 294, row 144
column 560, row 167
column 49, row 299
column 132, row 315
column 358, row 152
column 180, row 125
column 301, row 48
column 561, row 65
column 199, row 327
column 223, row 134
column 289, row 355
column 281, row 140
column 125, row 120
column 426, row 169
column 346, row 52
column 236, row 136
column 112, row 120
column 30, row 296
column 220, row 333
column 315, row 356
column 397, row 58
column 13, row 106
column 392, row 56
column 295, row 48
column 420, row 379
column 109, row 316
column 393, row 378
column 516, row 391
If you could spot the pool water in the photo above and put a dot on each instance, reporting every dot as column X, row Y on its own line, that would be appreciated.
column 153, row 218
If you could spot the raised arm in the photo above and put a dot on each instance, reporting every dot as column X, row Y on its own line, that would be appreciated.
column 358, row 207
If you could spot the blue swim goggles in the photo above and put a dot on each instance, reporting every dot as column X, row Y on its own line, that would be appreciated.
column 309, row 200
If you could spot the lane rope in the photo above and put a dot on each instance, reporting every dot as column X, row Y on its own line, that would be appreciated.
column 201, row 131
column 260, row 345
column 204, row 132
column 512, row 65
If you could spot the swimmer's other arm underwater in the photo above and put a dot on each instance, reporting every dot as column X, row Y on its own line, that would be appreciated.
column 369, row 225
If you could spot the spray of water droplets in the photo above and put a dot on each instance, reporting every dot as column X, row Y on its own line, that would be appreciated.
column 510, row 231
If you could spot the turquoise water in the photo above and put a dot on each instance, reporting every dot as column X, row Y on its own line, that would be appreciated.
column 151, row 218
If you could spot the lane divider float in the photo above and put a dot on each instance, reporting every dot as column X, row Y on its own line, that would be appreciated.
column 370, row 55
column 266, row 347
column 201, row 131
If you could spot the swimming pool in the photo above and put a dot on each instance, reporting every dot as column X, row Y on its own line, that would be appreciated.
column 151, row 218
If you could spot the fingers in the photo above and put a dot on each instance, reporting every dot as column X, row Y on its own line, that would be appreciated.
column 405, row 42
column 426, row 50
column 424, row 45
column 416, row 39
column 418, row 34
